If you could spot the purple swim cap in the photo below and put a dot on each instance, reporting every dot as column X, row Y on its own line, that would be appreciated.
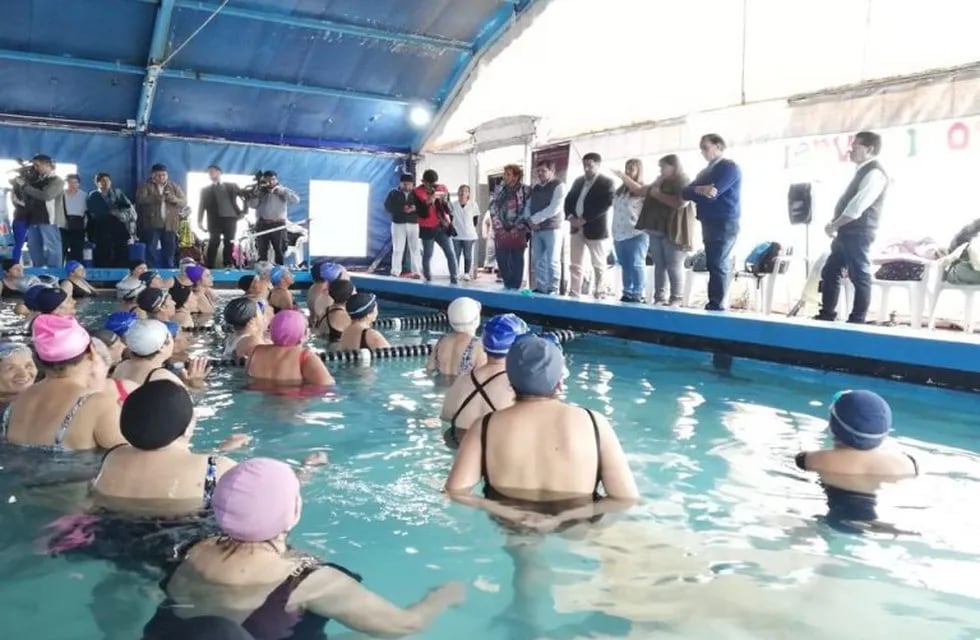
column 195, row 272
column 257, row 500
column 288, row 328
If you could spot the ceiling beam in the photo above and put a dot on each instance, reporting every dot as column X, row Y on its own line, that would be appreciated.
column 158, row 48
column 254, row 83
column 332, row 26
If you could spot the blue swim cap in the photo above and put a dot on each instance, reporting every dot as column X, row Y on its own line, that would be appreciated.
column 330, row 271
column 860, row 419
column 31, row 295
column 72, row 266
column 277, row 275
column 172, row 327
column 499, row 333
column 535, row 366
column 120, row 322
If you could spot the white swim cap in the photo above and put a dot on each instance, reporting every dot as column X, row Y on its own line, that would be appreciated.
column 146, row 337
column 464, row 315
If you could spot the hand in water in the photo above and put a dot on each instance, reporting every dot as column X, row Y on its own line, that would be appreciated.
column 197, row 370
column 235, row 441
column 316, row 459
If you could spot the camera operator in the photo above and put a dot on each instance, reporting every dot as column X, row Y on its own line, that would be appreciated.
column 42, row 195
column 158, row 205
column 270, row 200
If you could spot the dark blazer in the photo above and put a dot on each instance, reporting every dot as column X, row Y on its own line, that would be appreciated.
column 394, row 203
column 596, row 207
column 209, row 204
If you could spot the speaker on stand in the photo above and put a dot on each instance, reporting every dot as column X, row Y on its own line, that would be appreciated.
column 801, row 213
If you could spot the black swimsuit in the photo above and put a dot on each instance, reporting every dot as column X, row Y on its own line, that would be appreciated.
column 479, row 388
column 333, row 335
column 78, row 292
column 546, row 507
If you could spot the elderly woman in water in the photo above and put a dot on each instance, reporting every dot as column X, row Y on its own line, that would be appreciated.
column 288, row 361
column 151, row 346
column 459, row 351
column 75, row 283
column 281, row 298
column 17, row 371
column 250, row 574
column 247, row 325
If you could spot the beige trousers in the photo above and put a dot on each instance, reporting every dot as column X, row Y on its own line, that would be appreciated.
column 593, row 250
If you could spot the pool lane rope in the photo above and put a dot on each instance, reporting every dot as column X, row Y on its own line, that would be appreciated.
column 366, row 356
column 438, row 319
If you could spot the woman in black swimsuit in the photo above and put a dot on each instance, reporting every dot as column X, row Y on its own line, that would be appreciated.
column 363, row 311
column 256, row 504
column 76, row 285
column 335, row 321
column 13, row 274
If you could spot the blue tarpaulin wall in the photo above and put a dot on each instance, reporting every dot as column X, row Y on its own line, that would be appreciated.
column 119, row 153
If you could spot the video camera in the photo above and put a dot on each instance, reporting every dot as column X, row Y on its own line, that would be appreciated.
column 25, row 170
column 261, row 184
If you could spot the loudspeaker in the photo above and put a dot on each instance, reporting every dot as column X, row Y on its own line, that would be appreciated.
column 800, row 203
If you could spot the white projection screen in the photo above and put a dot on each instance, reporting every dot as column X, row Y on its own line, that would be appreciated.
column 339, row 218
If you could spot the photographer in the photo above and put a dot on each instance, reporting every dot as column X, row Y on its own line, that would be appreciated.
column 158, row 205
column 270, row 200
column 41, row 193
column 110, row 217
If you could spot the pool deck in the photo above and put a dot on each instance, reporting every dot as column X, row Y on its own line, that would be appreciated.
column 944, row 358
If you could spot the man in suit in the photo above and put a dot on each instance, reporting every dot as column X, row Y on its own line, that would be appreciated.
column 587, row 210
column 219, row 201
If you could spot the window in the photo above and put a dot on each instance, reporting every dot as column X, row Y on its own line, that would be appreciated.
column 339, row 218
column 197, row 180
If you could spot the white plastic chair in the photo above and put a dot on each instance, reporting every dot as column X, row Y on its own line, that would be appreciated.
column 969, row 292
column 691, row 277
column 918, row 293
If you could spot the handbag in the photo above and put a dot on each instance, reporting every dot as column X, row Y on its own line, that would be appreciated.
column 75, row 223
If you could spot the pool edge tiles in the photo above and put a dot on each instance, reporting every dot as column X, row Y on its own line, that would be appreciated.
column 939, row 358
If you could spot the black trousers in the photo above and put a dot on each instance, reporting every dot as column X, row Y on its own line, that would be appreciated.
column 72, row 244
column 111, row 238
column 274, row 239
column 221, row 229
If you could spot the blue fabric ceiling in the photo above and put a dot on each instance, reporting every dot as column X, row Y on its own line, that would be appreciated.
column 302, row 72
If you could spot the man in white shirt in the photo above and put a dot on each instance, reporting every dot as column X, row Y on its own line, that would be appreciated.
column 853, row 230
column 73, row 233
column 545, row 214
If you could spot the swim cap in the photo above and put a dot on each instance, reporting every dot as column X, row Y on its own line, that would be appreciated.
column 240, row 311
column 151, row 299
column 105, row 336
column 500, row 332
column 257, row 500
column 277, row 274
column 180, row 294
column 72, row 266
column 195, row 272
column 148, row 276
column 172, row 327
column 263, row 269
column 128, row 288
column 288, row 328
column 464, row 314
column 245, row 283
column 48, row 299
column 186, row 262
column 315, row 269
column 534, row 366
column 120, row 322
column 31, row 295
column 57, row 339
column 341, row 291
column 156, row 414
column 330, row 271
column 860, row 419
column 146, row 337
column 360, row 305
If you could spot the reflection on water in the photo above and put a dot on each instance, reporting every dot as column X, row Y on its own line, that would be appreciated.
column 731, row 540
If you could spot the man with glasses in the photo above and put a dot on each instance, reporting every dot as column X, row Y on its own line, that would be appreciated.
column 853, row 230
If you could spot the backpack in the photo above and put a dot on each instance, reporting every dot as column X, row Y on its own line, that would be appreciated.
column 697, row 262
column 762, row 259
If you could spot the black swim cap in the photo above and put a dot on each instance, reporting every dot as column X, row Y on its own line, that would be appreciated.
column 240, row 311
column 180, row 294
column 341, row 291
column 156, row 414
column 361, row 305
column 151, row 299
column 245, row 283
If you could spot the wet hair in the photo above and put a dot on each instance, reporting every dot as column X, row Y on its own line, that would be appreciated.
column 430, row 175
column 516, row 170
column 593, row 156
column 870, row 140
column 714, row 139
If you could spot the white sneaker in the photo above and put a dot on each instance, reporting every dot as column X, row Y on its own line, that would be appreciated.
column 465, row 277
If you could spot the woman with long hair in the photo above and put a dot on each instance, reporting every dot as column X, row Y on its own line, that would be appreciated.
column 631, row 244
column 669, row 221
column 510, row 230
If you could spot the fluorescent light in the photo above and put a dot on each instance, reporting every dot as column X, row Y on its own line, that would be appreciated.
column 420, row 116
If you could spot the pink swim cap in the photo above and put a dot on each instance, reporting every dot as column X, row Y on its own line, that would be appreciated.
column 57, row 339
column 257, row 500
column 288, row 328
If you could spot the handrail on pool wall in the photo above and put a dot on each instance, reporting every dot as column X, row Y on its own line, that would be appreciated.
column 384, row 353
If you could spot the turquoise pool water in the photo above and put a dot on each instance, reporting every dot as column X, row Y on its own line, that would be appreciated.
column 726, row 544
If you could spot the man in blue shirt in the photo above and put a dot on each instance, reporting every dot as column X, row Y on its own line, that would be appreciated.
column 717, row 192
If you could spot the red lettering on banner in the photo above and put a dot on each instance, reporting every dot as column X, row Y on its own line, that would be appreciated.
column 958, row 136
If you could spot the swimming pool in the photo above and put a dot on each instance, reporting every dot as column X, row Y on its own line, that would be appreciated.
column 725, row 544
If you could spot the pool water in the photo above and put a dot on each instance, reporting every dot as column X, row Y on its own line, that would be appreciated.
column 727, row 542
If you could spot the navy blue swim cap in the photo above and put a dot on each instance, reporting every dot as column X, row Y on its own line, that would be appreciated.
column 535, row 366
column 860, row 419
column 499, row 333
column 120, row 322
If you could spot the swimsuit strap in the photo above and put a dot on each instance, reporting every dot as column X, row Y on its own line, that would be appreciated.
column 465, row 363
column 210, row 480
column 483, row 449
column 152, row 371
column 364, row 333
column 59, row 437
column 106, row 454
column 598, row 451
column 915, row 465
column 478, row 388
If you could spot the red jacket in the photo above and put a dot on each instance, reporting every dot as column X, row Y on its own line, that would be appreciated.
column 428, row 213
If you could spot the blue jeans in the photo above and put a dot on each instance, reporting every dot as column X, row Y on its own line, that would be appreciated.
column 632, row 257
column 510, row 266
column 430, row 238
column 847, row 251
column 162, row 257
column 719, row 240
column 545, row 245
column 44, row 243
column 668, row 268
column 19, row 228
column 464, row 254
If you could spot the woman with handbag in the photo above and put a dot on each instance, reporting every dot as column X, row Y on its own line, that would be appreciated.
column 510, row 228
column 435, row 223
column 669, row 220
